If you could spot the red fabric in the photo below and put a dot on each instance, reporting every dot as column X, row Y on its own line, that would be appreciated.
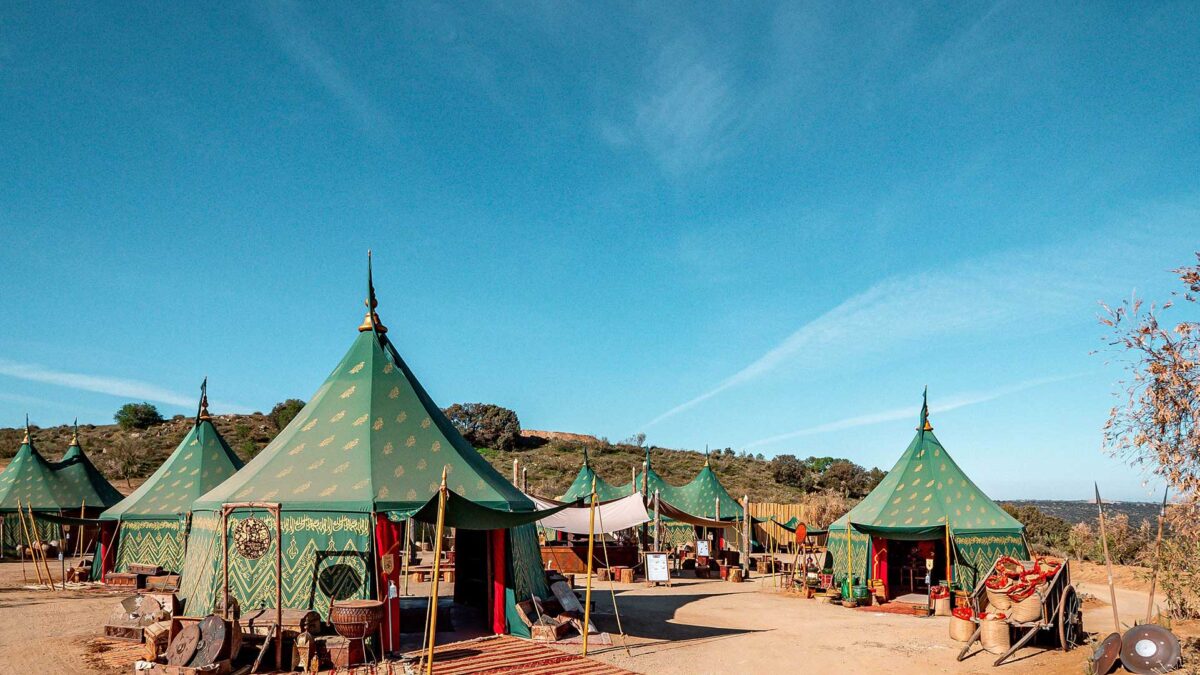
column 108, row 547
column 927, row 549
column 387, row 539
column 879, row 566
column 497, row 600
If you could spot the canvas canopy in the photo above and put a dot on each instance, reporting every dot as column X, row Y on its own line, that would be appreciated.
column 465, row 514
column 925, row 493
column 613, row 516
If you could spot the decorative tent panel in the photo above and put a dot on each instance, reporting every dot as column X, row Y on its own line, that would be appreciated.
column 976, row 553
column 859, row 557
column 326, row 556
column 14, row 535
column 151, row 542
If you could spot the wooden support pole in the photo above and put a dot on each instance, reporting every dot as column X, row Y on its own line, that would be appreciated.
column 437, row 571
column 949, row 568
column 587, row 601
column 1112, row 589
column 1162, row 515
column 46, row 565
column 29, row 546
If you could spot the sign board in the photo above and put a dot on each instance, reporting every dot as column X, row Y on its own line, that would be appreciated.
column 656, row 567
column 702, row 548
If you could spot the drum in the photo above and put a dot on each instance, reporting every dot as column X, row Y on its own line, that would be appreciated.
column 356, row 619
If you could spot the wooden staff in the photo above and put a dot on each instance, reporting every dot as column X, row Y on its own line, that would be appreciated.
column 45, row 565
column 27, row 530
column 1162, row 515
column 79, row 542
column 1112, row 590
column 24, row 574
column 437, row 571
column 587, row 602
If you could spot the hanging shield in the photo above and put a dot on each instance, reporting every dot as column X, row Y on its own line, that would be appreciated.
column 183, row 647
column 1149, row 649
column 801, row 533
column 1106, row 654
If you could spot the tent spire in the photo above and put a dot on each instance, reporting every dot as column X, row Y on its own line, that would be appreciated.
column 202, row 413
column 585, row 457
column 74, row 434
column 371, row 320
column 26, row 439
column 706, row 454
column 924, row 424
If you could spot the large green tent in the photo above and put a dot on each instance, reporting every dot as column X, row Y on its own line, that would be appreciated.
column 369, row 443
column 75, row 471
column 152, row 523
column 926, row 497
column 29, row 482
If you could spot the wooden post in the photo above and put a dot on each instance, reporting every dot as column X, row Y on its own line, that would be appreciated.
column 525, row 479
column 225, row 562
column 279, row 589
column 849, row 557
column 949, row 568
column 515, row 470
column 657, row 523
column 746, row 520
column 633, row 482
column 1112, row 590
column 587, row 601
column 437, row 570
column 38, row 549
column 1162, row 514
column 28, row 545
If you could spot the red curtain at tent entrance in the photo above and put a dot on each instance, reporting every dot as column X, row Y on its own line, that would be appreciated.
column 497, row 601
column 388, row 542
column 108, row 547
column 879, row 566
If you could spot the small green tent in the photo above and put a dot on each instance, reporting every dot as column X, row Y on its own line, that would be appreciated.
column 367, row 450
column 152, row 523
column 29, row 482
column 926, row 497
column 581, row 487
column 75, row 471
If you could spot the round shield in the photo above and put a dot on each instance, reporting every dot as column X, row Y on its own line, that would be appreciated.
column 212, row 641
column 183, row 647
column 1106, row 654
column 801, row 533
column 251, row 538
column 1149, row 649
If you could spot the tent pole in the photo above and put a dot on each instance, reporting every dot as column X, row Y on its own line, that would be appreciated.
column 46, row 565
column 279, row 587
column 225, row 564
column 408, row 542
column 27, row 545
column 1162, row 514
column 746, row 520
column 1112, row 590
column 587, row 602
column 612, row 589
column 437, row 571
column 849, row 557
column 657, row 523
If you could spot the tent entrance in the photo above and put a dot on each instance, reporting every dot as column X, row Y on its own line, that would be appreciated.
column 466, row 594
column 902, row 564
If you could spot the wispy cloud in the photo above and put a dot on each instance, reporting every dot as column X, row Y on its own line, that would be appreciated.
column 113, row 386
column 294, row 34
column 943, row 405
column 1016, row 293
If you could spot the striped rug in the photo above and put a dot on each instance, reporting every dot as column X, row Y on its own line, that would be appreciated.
column 506, row 654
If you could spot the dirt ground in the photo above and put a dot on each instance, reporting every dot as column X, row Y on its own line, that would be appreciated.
column 692, row 627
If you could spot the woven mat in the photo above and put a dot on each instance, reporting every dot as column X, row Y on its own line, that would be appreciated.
column 506, row 654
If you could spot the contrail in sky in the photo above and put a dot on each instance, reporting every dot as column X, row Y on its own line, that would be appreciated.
column 960, row 401
column 113, row 386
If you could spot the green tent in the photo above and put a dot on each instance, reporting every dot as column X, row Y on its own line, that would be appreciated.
column 581, row 487
column 369, row 442
column 699, row 497
column 92, row 490
column 152, row 522
column 29, row 481
column 927, row 497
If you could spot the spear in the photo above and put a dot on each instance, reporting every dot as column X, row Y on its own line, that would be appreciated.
column 1112, row 590
column 1162, row 515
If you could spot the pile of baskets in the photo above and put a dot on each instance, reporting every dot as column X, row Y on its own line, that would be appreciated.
column 993, row 628
column 1020, row 592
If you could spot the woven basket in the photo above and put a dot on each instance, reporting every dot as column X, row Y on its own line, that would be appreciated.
column 941, row 606
column 993, row 635
column 998, row 600
column 1029, row 609
column 961, row 629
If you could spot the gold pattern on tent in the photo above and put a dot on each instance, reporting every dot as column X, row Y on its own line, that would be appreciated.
column 150, row 542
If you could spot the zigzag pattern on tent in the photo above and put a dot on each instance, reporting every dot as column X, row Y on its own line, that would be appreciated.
column 14, row 535
column 675, row 534
column 977, row 553
column 155, row 542
column 319, row 562
column 529, row 579
column 861, row 550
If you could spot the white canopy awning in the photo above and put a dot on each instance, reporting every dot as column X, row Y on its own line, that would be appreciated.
column 620, row 514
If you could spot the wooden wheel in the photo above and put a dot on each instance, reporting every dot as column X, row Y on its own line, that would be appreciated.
column 1070, row 619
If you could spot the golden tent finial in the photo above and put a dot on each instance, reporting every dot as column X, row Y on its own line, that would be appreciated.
column 371, row 320
column 25, row 441
column 74, row 434
column 203, row 414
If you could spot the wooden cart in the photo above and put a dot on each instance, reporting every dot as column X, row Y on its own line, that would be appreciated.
column 1062, row 614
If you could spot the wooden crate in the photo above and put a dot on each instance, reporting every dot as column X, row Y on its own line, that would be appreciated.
column 125, row 580
column 163, row 582
column 127, row 633
column 148, row 570
column 543, row 632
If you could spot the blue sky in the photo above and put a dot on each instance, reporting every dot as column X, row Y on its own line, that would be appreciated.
column 763, row 226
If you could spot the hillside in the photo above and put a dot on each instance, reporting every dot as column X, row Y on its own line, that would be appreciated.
column 552, row 458
column 1082, row 511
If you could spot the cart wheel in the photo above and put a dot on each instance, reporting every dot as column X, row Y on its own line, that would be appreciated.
column 1070, row 619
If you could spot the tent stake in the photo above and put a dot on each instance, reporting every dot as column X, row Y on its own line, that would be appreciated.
column 437, row 571
column 587, row 602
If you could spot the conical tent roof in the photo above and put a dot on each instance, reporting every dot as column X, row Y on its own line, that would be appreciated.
column 30, row 479
column 701, row 495
column 581, row 487
column 201, row 461
column 925, row 491
column 76, row 472
column 370, row 439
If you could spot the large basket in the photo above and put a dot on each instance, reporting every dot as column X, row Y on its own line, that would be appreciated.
column 993, row 635
column 1029, row 609
column 356, row 619
column 961, row 630
column 941, row 606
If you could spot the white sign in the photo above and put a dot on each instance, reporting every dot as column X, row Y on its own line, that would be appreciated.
column 656, row 567
column 702, row 548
